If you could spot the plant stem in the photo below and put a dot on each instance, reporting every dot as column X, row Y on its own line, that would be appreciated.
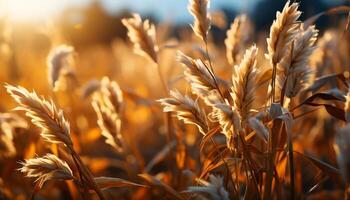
column 87, row 174
column 211, row 70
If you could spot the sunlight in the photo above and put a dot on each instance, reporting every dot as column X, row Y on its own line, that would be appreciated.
column 31, row 10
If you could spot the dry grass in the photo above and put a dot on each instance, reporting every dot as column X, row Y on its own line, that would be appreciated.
column 230, row 123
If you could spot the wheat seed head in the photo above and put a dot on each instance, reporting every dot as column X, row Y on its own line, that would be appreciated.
column 282, row 31
column 244, row 81
column 199, row 10
column 215, row 188
column 109, row 122
column 48, row 167
column 226, row 115
column 107, row 103
column 259, row 128
column 186, row 109
column 44, row 114
column 111, row 94
column 197, row 74
column 143, row 36
column 89, row 88
column 57, row 61
column 296, row 66
column 235, row 38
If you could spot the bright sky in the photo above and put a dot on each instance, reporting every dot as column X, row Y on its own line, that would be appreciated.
column 29, row 10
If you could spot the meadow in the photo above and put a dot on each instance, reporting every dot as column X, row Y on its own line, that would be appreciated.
column 259, row 116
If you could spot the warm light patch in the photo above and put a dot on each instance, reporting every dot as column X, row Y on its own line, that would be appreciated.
column 31, row 10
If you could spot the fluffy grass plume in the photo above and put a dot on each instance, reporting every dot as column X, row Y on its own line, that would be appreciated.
column 235, row 37
column 296, row 70
column 226, row 115
column 199, row 10
column 186, row 109
column 244, row 81
column 143, row 36
column 197, row 74
column 44, row 114
column 57, row 62
column 107, row 104
column 46, row 168
column 282, row 31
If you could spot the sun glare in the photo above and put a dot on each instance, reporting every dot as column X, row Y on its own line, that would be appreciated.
column 30, row 10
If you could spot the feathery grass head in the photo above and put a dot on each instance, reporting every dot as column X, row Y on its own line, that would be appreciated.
column 244, row 81
column 186, row 109
column 259, row 128
column 226, row 115
column 199, row 10
column 109, row 122
column 215, row 188
column 108, row 103
column 112, row 95
column 282, row 31
column 143, row 36
column 57, row 62
column 295, row 67
column 8, row 123
column 197, row 74
column 46, row 168
column 235, row 39
column 44, row 114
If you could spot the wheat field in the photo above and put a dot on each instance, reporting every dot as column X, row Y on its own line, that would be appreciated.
column 261, row 115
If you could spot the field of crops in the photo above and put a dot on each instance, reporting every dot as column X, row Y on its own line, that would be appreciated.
column 261, row 115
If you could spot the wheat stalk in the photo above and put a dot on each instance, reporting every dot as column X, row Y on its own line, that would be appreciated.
column 201, row 26
column 235, row 37
column 107, row 104
column 226, row 115
column 282, row 31
column 296, row 70
column 143, row 36
column 186, row 109
column 197, row 74
column 244, row 81
column 46, row 168
column 44, row 114
column 54, row 127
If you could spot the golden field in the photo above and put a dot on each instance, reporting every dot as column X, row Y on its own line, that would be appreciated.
column 261, row 115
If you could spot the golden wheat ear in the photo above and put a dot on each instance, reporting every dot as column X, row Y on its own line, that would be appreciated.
column 296, row 66
column 244, row 81
column 226, row 115
column 236, row 37
column 199, row 10
column 107, row 103
column 282, row 32
column 143, row 36
column 58, row 62
column 197, row 74
column 44, row 114
column 186, row 109
column 46, row 168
